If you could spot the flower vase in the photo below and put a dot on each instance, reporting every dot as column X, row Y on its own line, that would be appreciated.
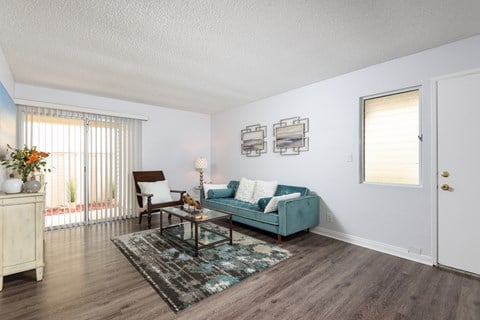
column 12, row 185
column 32, row 185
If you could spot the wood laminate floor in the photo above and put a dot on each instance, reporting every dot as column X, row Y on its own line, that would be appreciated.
column 87, row 277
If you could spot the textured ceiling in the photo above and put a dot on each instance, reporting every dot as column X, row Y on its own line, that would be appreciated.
column 210, row 55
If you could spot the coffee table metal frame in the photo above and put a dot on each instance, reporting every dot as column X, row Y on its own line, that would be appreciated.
column 195, row 224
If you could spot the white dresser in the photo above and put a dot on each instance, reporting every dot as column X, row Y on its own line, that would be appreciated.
column 21, row 233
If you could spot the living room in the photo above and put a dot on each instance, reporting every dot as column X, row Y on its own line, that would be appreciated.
column 397, row 222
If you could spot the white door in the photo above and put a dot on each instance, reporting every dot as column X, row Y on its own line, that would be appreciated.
column 459, row 189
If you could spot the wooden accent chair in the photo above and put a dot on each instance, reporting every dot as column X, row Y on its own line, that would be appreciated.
column 149, row 207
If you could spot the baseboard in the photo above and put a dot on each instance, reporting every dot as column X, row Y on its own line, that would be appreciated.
column 374, row 245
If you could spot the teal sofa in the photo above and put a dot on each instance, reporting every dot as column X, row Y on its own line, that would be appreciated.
column 293, row 215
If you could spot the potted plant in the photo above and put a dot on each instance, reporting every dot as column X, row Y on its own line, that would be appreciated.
column 71, row 193
column 114, row 192
column 24, row 162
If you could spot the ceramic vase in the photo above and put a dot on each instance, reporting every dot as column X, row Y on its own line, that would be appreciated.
column 12, row 185
column 32, row 186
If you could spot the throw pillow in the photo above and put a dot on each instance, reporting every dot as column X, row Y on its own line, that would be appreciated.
column 273, row 203
column 262, row 203
column 220, row 193
column 209, row 186
column 264, row 189
column 245, row 190
column 159, row 189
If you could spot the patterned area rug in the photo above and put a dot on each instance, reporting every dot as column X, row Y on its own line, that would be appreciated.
column 182, row 279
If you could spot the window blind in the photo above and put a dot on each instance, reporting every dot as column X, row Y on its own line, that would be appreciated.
column 391, row 138
column 92, row 157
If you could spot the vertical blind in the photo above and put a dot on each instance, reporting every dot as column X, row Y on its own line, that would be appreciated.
column 391, row 138
column 91, row 158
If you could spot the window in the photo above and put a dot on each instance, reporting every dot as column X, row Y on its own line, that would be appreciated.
column 391, row 138
column 92, row 157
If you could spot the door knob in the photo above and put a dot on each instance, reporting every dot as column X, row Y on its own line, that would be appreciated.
column 445, row 187
column 445, row 174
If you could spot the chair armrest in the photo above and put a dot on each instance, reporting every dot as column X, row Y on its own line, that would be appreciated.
column 148, row 195
column 298, row 214
column 181, row 192
column 149, row 199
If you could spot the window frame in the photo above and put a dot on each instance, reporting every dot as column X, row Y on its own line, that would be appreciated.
column 420, row 137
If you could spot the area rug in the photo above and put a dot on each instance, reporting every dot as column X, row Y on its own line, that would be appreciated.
column 182, row 279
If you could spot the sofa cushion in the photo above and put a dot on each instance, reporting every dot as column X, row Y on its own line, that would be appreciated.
column 233, row 185
column 284, row 189
column 243, row 209
column 262, row 203
column 245, row 190
column 273, row 203
column 209, row 186
column 264, row 189
column 220, row 193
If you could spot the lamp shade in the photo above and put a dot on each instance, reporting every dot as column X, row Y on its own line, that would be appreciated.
column 201, row 163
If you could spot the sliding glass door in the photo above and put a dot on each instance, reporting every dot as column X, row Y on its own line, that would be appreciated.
column 91, row 157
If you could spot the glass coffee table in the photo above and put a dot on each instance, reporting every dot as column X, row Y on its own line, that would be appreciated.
column 195, row 233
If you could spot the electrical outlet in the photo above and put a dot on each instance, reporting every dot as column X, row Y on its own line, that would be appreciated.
column 329, row 217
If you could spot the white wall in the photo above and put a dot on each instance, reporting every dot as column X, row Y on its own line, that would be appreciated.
column 389, row 218
column 6, row 77
column 172, row 139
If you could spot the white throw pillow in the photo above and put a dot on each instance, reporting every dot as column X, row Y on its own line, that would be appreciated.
column 273, row 203
column 159, row 189
column 209, row 186
column 264, row 189
column 245, row 190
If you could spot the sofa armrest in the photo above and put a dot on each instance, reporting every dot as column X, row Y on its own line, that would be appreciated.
column 298, row 214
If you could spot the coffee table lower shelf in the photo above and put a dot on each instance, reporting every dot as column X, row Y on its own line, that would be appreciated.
column 194, row 233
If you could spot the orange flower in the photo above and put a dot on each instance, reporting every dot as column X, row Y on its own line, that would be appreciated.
column 25, row 161
column 33, row 158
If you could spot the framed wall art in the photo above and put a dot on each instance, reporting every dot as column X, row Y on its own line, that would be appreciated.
column 254, row 140
column 290, row 136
